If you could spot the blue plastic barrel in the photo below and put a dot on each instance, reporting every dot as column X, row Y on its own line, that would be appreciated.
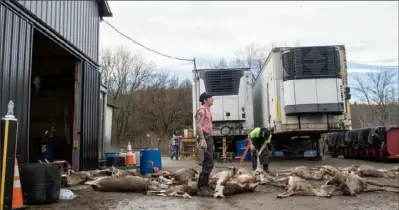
column 240, row 148
column 147, row 155
column 110, row 154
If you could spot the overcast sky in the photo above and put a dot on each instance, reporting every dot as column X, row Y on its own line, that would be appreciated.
column 210, row 30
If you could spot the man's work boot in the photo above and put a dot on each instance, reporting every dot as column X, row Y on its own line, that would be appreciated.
column 266, row 168
column 203, row 186
column 205, row 191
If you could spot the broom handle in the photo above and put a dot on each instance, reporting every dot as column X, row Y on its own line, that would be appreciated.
column 245, row 152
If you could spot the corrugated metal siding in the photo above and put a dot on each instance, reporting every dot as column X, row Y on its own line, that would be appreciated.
column 77, row 21
column 90, row 119
column 15, row 69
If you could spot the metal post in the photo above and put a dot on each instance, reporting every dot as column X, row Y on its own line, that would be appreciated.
column 8, row 139
column 224, row 149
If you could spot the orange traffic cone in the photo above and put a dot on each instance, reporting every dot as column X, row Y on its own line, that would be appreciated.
column 129, row 159
column 17, row 199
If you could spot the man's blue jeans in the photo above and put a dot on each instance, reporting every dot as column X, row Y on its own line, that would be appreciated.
column 175, row 152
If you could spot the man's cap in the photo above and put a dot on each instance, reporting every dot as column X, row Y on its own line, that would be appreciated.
column 204, row 96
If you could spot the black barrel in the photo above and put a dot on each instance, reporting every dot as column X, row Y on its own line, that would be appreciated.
column 41, row 183
column 115, row 161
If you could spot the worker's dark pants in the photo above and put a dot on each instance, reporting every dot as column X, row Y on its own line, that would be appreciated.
column 175, row 152
column 263, row 158
column 207, row 164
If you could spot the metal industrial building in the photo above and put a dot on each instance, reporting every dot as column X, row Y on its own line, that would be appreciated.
column 49, row 67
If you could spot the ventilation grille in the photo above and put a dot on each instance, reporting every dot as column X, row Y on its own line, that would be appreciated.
column 222, row 82
column 311, row 62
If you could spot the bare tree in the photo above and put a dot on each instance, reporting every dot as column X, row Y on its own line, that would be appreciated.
column 149, row 101
column 379, row 91
column 254, row 55
column 165, row 104
column 222, row 64
column 123, row 72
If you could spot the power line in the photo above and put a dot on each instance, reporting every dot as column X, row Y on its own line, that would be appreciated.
column 168, row 56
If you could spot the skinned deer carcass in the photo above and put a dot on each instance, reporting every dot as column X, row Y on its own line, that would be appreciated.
column 303, row 172
column 184, row 190
column 299, row 186
column 123, row 184
column 350, row 184
column 218, row 180
column 240, row 183
column 233, row 181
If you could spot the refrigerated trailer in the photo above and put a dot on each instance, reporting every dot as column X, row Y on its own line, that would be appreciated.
column 232, row 110
column 301, row 93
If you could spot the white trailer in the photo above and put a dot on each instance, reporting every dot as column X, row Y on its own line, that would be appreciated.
column 232, row 110
column 300, row 93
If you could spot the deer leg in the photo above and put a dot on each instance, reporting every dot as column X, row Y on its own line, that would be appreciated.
column 284, row 179
column 380, row 190
column 96, row 181
column 379, row 184
column 179, row 193
column 156, row 192
column 285, row 171
column 278, row 185
column 330, row 181
column 286, row 194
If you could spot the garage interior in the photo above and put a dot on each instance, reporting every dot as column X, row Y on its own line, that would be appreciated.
column 52, row 101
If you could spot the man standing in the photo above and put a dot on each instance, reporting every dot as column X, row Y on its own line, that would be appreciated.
column 260, row 138
column 175, row 145
column 205, row 143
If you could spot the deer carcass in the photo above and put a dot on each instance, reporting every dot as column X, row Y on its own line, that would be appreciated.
column 182, row 176
column 265, row 178
column 233, row 181
column 183, row 190
column 370, row 171
column 118, row 173
column 78, row 178
column 395, row 170
column 124, row 184
column 298, row 186
column 350, row 184
column 303, row 172
column 329, row 170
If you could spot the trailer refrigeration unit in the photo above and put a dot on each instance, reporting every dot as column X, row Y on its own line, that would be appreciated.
column 232, row 110
column 301, row 93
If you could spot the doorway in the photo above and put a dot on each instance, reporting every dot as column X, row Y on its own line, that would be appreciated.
column 52, row 102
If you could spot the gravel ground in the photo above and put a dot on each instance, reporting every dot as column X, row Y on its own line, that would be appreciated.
column 264, row 196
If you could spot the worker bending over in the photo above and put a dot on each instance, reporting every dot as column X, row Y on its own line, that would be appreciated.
column 260, row 138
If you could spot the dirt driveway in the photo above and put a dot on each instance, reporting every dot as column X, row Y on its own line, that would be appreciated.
column 263, row 198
